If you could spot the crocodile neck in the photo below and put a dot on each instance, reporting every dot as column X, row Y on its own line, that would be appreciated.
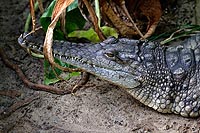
column 164, row 78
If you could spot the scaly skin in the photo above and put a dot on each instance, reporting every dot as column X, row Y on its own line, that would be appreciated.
column 164, row 78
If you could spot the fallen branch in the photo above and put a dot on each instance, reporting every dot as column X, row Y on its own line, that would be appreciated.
column 38, row 87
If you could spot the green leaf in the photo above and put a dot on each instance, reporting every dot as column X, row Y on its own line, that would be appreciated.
column 50, row 76
column 74, row 20
column 72, row 6
column 92, row 35
column 74, row 25
column 45, row 19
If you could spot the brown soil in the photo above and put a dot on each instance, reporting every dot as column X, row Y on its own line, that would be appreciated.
column 96, row 107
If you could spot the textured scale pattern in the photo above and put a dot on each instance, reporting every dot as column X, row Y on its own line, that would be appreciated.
column 170, row 78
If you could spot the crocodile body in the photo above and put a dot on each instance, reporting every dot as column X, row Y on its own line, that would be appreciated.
column 166, row 78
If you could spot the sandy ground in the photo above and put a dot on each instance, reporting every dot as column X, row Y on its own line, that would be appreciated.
column 98, row 107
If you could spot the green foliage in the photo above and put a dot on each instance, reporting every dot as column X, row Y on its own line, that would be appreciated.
column 183, row 31
column 74, row 28
column 74, row 20
column 51, row 74
column 92, row 35
column 179, row 32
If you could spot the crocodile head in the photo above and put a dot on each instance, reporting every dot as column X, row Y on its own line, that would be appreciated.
column 113, row 60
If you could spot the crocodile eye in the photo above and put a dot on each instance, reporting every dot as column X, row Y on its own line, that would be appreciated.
column 109, row 55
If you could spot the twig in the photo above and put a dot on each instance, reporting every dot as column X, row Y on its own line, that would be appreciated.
column 185, row 30
column 32, row 3
column 117, row 22
column 31, row 16
column 39, row 87
column 40, row 5
column 97, row 11
column 59, row 7
column 7, row 112
column 84, row 79
column 94, row 20
column 171, row 36
column 123, row 6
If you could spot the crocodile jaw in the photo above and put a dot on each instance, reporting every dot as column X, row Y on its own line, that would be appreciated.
column 117, row 77
column 93, row 58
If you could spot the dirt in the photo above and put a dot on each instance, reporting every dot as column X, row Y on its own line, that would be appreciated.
column 97, row 107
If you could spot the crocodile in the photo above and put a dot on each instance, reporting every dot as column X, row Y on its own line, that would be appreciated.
column 165, row 78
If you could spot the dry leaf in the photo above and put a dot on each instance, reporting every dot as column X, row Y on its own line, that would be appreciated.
column 138, row 10
column 60, row 6
column 32, row 3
